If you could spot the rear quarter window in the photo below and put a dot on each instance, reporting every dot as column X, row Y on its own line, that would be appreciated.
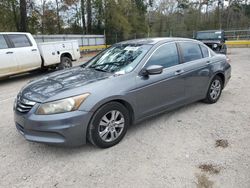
column 19, row 40
column 190, row 51
column 205, row 51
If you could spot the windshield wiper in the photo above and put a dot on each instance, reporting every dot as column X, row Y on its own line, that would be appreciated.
column 98, row 69
column 101, row 70
column 109, row 64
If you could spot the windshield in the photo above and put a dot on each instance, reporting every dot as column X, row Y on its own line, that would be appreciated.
column 209, row 35
column 119, row 57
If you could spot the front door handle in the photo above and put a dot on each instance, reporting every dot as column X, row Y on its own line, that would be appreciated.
column 178, row 72
column 9, row 52
column 208, row 62
column 34, row 50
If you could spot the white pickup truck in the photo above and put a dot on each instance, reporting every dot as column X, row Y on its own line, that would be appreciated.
column 20, row 53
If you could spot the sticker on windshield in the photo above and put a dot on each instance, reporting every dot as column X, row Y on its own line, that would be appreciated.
column 219, row 37
column 131, row 48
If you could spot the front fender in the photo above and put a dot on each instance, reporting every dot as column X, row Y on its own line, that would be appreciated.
column 94, row 103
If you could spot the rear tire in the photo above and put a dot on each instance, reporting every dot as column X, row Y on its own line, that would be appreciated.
column 65, row 63
column 44, row 69
column 214, row 90
column 108, row 125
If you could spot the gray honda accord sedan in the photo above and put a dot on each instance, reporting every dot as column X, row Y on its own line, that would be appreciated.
column 124, row 84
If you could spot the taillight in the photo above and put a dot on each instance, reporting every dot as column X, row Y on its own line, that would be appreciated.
column 228, row 60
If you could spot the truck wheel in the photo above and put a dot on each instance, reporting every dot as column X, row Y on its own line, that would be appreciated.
column 65, row 63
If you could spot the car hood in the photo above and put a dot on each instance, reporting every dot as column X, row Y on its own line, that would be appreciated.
column 55, row 83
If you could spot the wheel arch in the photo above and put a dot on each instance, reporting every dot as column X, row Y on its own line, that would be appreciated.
column 122, row 101
column 222, row 76
column 67, row 54
column 129, row 108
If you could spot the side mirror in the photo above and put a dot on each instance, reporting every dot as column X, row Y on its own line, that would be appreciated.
column 152, row 70
column 225, row 38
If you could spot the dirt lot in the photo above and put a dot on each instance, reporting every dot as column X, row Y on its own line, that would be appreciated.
column 198, row 145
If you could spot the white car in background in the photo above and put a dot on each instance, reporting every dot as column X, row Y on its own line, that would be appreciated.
column 20, row 53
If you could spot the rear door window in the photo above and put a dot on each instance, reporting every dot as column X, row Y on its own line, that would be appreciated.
column 190, row 51
column 19, row 40
column 204, row 51
column 3, row 43
column 166, row 56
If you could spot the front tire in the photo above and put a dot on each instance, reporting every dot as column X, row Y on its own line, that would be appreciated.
column 108, row 125
column 214, row 90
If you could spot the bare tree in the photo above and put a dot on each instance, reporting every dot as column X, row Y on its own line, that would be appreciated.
column 43, row 12
column 58, row 16
column 83, row 16
column 23, row 16
column 89, row 16
column 14, row 12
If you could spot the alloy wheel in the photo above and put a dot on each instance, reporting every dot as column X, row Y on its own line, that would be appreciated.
column 215, row 89
column 111, row 126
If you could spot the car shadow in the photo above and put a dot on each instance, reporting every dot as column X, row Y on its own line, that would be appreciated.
column 24, row 76
column 30, row 75
column 148, row 122
column 132, row 132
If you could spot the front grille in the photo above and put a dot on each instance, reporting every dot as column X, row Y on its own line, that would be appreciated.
column 210, row 46
column 23, row 105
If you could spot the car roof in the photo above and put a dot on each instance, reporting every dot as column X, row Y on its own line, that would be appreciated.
column 154, row 41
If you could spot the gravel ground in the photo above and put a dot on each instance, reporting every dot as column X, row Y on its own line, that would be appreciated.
column 198, row 145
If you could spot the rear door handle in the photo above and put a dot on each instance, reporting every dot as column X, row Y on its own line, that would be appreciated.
column 208, row 62
column 9, row 52
column 178, row 72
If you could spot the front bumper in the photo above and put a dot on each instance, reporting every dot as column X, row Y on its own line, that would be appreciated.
column 66, row 129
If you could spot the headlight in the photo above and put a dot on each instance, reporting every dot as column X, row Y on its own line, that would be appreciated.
column 61, row 106
column 215, row 45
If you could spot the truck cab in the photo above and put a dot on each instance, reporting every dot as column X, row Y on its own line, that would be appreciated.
column 20, row 53
column 215, row 39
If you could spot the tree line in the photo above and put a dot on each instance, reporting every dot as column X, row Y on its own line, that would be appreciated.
column 123, row 19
